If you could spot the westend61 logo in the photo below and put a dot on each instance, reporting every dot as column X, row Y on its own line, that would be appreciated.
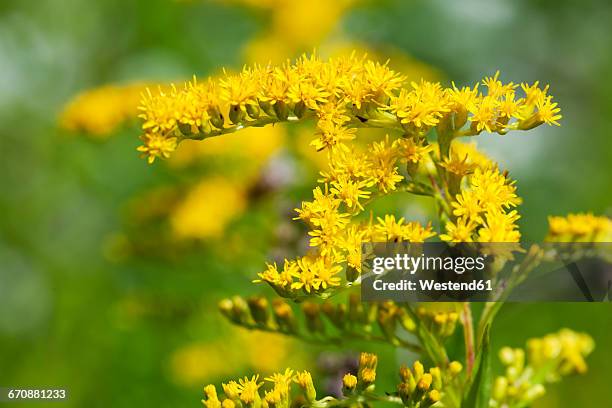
column 485, row 272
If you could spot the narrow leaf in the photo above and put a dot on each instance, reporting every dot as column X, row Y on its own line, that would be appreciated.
column 479, row 392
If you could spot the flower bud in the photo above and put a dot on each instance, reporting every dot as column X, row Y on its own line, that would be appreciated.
column 436, row 375
column 386, row 322
column 299, row 109
column 259, row 310
column 535, row 392
column 216, row 118
column 231, row 390
column 313, row 317
column 281, row 110
column 283, row 315
column 405, row 374
column 499, row 388
column 355, row 311
column 367, row 368
column 241, row 310
column 351, row 273
column 273, row 398
column 304, row 380
column 253, row 110
column 236, row 114
column 211, row 400
column 368, row 376
column 405, row 320
column 455, row 368
column 506, row 355
column 460, row 118
column 335, row 313
column 405, row 393
column 205, row 127
column 430, row 399
column 425, row 382
column 184, row 128
column 349, row 383
column 226, row 307
column 418, row 369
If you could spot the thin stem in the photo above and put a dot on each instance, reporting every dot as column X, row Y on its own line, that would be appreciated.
column 335, row 340
column 468, row 335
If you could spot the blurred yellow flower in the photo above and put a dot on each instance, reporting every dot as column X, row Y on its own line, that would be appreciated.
column 579, row 227
column 254, row 144
column 99, row 111
column 201, row 361
column 208, row 208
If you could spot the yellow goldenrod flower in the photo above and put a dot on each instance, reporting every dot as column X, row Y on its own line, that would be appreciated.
column 343, row 93
column 156, row 145
column 349, row 382
column 455, row 367
column 212, row 401
column 411, row 151
column 579, row 227
column 249, row 389
column 460, row 231
column 350, row 191
column 421, row 108
column 304, row 380
column 547, row 359
column 476, row 201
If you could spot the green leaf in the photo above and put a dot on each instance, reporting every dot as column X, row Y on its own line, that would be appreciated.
column 479, row 392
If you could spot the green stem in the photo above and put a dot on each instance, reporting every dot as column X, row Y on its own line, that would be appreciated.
column 335, row 340
column 435, row 351
column 468, row 335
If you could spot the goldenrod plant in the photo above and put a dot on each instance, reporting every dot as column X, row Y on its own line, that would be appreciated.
column 474, row 199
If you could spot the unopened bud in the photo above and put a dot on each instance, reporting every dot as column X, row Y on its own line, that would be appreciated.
column 349, row 382
column 500, row 387
column 425, row 382
column 418, row 369
column 304, row 380
column 313, row 317
column 436, row 375
column 216, row 118
column 430, row 399
column 281, row 110
column 236, row 114
column 253, row 110
column 283, row 314
column 259, row 310
column 455, row 368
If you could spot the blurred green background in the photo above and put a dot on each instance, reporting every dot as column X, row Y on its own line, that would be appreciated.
column 97, row 300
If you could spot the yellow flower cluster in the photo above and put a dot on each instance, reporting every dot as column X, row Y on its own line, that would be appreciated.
column 101, row 110
column 484, row 211
column 548, row 358
column 416, row 388
column 207, row 209
column 236, row 349
column 245, row 391
column 424, row 389
column 579, row 228
column 439, row 321
column 476, row 199
column 566, row 348
column 343, row 93
column 337, row 246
